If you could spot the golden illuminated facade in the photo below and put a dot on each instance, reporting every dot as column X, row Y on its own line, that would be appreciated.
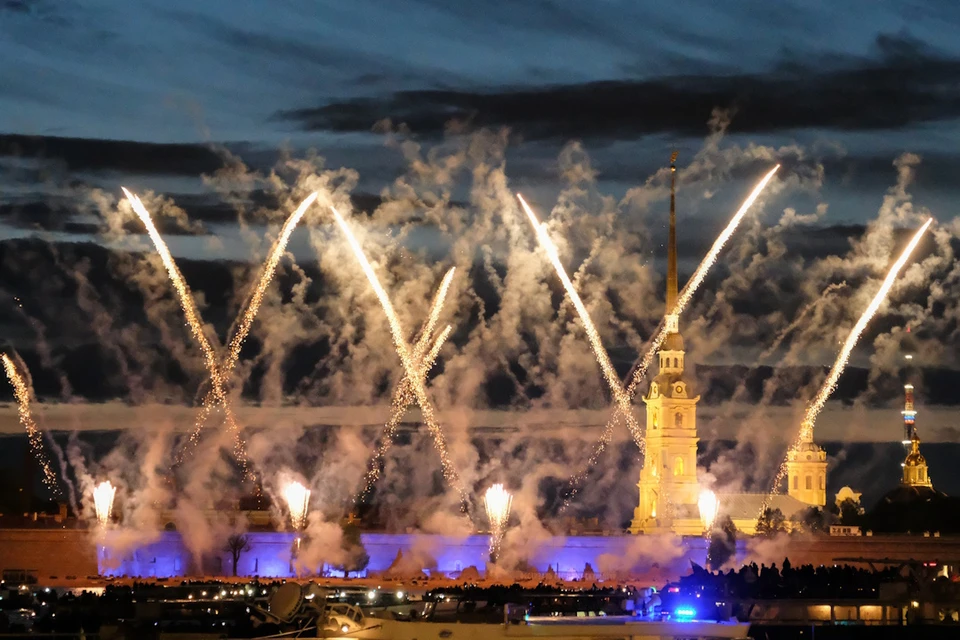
column 915, row 472
column 807, row 470
column 668, row 485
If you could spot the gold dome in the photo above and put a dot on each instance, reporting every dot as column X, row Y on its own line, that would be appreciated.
column 915, row 458
column 673, row 342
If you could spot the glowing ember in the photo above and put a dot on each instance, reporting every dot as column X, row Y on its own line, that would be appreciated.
column 620, row 396
column 410, row 366
column 297, row 497
column 830, row 384
column 497, row 502
column 103, row 495
column 708, row 505
column 22, row 393
column 640, row 370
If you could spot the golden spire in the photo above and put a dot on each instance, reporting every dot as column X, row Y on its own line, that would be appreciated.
column 672, row 243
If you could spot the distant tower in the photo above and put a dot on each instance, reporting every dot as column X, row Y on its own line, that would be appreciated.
column 909, row 415
column 668, row 481
column 807, row 470
column 915, row 466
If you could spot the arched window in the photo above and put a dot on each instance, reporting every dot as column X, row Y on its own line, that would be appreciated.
column 676, row 363
column 796, row 482
column 653, row 509
column 822, row 481
column 678, row 466
column 809, row 482
column 678, row 420
column 656, row 419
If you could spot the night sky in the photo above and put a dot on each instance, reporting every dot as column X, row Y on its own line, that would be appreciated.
column 423, row 117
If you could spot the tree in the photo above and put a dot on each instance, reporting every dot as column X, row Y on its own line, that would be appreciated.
column 850, row 513
column 723, row 543
column 812, row 519
column 771, row 522
column 357, row 556
column 237, row 545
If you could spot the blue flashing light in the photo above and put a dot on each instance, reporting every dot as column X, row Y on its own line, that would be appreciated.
column 684, row 612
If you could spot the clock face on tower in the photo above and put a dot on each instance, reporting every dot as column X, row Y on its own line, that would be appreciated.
column 654, row 390
column 679, row 390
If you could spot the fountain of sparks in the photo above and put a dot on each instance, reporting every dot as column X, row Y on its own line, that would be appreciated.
column 21, row 392
column 103, row 495
column 639, row 370
column 830, row 383
column 219, row 371
column 497, row 501
column 297, row 498
column 410, row 366
column 708, row 506
column 617, row 391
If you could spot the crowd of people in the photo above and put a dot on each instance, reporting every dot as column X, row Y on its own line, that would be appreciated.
column 805, row 582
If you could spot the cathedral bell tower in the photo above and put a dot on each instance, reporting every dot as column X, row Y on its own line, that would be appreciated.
column 668, row 485
column 807, row 469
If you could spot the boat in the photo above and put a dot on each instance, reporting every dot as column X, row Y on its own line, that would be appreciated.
column 303, row 611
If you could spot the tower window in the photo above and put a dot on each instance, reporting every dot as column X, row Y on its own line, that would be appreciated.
column 678, row 420
column 809, row 482
column 678, row 466
column 796, row 482
column 676, row 363
column 822, row 481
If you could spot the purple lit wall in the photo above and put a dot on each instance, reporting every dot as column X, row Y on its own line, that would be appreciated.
column 270, row 555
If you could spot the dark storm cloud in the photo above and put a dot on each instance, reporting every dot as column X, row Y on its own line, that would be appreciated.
column 82, row 154
column 906, row 83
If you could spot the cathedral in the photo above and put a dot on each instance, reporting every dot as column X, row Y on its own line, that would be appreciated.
column 669, row 487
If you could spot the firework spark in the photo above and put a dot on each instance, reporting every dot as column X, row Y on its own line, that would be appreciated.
column 402, row 399
column 497, row 502
column 245, row 321
column 708, row 506
column 219, row 371
column 21, row 392
column 103, row 495
column 830, row 384
column 617, row 391
column 297, row 498
column 639, row 370
column 416, row 382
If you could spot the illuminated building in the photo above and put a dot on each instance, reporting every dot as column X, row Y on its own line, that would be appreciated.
column 915, row 472
column 668, row 485
column 807, row 471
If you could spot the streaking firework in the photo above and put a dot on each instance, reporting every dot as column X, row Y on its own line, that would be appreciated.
column 21, row 392
column 410, row 366
column 830, row 383
column 219, row 371
column 103, row 495
column 245, row 321
column 297, row 498
column 620, row 397
column 402, row 399
column 497, row 502
column 639, row 370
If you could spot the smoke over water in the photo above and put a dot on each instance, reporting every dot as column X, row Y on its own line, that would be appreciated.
column 515, row 386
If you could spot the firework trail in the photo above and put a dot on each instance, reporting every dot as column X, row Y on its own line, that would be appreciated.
column 800, row 319
column 417, row 387
column 617, row 391
column 497, row 502
column 402, row 399
column 21, row 392
column 830, row 384
column 103, row 495
column 245, row 321
column 219, row 371
column 639, row 370
column 297, row 498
